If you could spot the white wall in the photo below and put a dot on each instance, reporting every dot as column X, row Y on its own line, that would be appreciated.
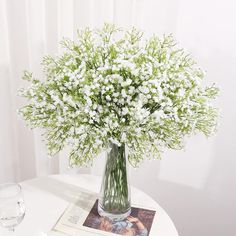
column 197, row 187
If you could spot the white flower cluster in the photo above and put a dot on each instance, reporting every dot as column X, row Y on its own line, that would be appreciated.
column 105, row 88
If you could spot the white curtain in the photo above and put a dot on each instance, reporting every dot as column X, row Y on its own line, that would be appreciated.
column 205, row 172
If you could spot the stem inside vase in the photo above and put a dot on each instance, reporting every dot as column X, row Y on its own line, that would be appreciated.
column 114, row 201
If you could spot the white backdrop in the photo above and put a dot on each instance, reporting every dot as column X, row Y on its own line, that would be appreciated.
column 197, row 186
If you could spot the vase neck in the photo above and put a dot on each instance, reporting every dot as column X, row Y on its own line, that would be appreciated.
column 116, row 146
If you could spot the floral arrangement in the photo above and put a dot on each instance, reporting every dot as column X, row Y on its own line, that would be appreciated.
column 114, row 86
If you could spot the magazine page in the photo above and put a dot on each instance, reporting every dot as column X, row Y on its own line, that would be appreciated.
column 82, row 216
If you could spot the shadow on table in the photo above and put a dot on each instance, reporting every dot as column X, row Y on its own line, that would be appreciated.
column 68, row 192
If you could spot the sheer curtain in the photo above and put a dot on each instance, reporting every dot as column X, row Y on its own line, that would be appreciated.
column 196, row 186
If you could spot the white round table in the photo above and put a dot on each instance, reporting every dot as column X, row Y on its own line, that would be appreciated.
column 46, row 199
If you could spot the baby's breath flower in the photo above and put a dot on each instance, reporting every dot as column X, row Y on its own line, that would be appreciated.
column 147, row 94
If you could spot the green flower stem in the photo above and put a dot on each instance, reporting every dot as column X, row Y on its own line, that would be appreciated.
column 115, row 184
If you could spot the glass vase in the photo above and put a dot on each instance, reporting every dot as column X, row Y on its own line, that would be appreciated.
column 114, row 199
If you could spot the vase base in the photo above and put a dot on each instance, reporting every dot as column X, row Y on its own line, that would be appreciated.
column 112, row 216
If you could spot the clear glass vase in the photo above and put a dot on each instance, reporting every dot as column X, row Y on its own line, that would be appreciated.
column 114, row 199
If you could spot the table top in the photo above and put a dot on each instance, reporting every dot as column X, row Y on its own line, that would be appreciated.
column 46, row 199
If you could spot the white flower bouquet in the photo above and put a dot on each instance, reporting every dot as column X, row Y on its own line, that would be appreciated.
column 114, row 86
column 112, row 89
